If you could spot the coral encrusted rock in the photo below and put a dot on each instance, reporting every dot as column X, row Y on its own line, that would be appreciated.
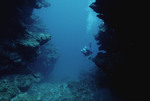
column 19, row 44
column 12, row 87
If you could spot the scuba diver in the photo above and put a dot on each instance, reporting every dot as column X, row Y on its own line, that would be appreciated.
column 87, row 51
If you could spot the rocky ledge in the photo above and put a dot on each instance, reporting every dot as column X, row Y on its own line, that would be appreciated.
column 20, row 39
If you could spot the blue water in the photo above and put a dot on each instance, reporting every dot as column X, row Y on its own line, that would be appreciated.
column 72, row 25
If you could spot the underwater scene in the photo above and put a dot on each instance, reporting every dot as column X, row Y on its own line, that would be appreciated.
column 67, row 50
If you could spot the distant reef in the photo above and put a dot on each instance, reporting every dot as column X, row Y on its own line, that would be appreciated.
column 21, row 33
column 119, row 37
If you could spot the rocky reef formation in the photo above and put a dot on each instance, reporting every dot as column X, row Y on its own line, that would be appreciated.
column 46, row 59
column 20, row 39
column 62, row 91
column 13, row 85
column 25, row 88
column 118, row 36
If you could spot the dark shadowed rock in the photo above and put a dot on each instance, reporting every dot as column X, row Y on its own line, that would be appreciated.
column 120, row 39
column 18, row 43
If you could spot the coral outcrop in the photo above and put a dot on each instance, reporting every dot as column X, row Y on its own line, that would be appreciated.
column 19, row 42
column 119, row 38
column 22, row 39
column 15, row 85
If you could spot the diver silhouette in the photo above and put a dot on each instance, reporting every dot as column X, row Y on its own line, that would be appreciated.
column 87, row 51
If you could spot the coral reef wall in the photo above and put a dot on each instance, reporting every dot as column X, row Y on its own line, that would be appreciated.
column 18, row 41
column 119, row 38
column 46, row 60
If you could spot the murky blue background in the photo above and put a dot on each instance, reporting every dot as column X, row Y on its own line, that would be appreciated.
column 72, row 25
